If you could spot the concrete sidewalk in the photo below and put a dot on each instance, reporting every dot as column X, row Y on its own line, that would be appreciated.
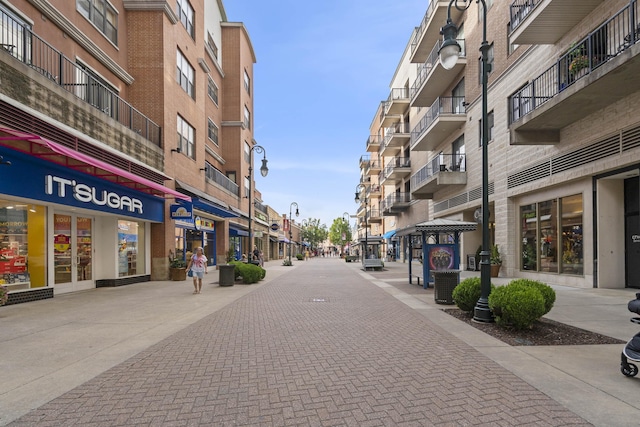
column 51, row 347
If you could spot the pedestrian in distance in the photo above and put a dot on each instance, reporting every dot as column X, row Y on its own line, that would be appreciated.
column 198, row 266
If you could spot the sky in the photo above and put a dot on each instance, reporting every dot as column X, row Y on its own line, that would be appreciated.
column 322, row 69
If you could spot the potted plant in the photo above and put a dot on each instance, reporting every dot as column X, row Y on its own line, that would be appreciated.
column 579, row 61
column 177, row 268
column 496, row 261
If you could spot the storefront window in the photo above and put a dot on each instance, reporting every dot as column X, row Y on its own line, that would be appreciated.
column 131, row 238
column 572, row 258
column 179, row 243
column 529, row 221
column 22, row 245
column 543, row 247
column 209, row 247
column 548, row 235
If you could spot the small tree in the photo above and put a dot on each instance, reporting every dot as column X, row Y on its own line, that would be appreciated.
column 340, row 233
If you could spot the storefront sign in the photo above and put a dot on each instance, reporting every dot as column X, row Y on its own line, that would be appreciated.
column 61, row 242
column 34, row 178
column 275, row 226
column 181, row 211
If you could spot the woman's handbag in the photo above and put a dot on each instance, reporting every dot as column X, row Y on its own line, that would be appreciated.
column 190, row 273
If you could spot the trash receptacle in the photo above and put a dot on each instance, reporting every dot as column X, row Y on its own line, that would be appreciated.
column 227, row 274
column 444, row 281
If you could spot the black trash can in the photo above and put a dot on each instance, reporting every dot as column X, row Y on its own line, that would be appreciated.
column 444, row 282
column 227, row 274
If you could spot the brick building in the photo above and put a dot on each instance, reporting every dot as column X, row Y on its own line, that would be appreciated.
column 118, row 119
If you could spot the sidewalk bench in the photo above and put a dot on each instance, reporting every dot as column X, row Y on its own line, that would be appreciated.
column 417, row 276
column 351, row 258
column 375, row 263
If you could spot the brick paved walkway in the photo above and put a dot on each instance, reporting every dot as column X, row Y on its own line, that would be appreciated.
column 320, row 346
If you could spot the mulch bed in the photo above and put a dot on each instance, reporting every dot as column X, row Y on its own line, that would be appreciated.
column 543, row 332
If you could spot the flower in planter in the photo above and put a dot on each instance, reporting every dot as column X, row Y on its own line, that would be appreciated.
column 578, row 63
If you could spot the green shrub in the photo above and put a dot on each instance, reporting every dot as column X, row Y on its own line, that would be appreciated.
column 467, row 293
column 238, row 270
column 547, row 292
column 299, row 257
column 251, row 273
column 286, row 262
column 518, row 305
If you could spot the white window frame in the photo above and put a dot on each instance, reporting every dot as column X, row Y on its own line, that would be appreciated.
column 185, row 14
column 186, row 137
column 185, row 74
column 212, row 131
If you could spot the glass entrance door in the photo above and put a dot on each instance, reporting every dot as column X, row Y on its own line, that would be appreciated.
column 72, row 248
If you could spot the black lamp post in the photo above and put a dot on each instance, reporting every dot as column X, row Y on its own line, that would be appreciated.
column 449, row 53
column 264, row 170
column 291, row 225
column 359, row 188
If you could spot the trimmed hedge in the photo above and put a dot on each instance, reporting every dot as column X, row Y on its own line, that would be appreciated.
column 517, row 304
column 547, row 292
column 250, row 273
column 467, row 293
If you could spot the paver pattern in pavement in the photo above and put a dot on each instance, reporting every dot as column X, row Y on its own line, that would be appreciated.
column 319, row 346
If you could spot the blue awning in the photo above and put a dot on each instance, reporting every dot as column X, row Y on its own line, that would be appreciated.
column 211, row 208
column 206, row 202
column 389, row 234
column 237, row 232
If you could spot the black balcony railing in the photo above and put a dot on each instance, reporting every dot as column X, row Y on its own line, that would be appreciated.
column 442, row 105
column 221, row 179
column 396, row 198
column 374, row 140
column 424, row 71
column 423, row 25
column 519, row 9
column 614, row 36
column 23, row 44
column 439, row 163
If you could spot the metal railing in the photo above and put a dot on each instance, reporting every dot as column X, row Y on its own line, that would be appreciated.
column 394, row 130
column 423, row 25
column 442, row 105
column 221, row 179
column 425, row 69
column 396, row 94
column 614, row 36
column 395, row 163
column 374, row 140
column 440, row 163
column 519, row 9
column 23, row 44
column 396, row 198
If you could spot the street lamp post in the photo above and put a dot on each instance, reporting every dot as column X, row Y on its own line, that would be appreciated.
column 290, row 226
column 264, row 170
column 359, row 188
column 449, row 53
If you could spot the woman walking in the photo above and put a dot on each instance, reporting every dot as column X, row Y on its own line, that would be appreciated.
column 198, row 265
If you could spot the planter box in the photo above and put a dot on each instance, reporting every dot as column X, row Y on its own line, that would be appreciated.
column 178, row 274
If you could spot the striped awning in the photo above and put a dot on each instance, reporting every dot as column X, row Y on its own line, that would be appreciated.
column 438, row 226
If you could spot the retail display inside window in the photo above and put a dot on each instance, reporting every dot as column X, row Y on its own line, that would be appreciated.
column 543, row 247
column 20, row 225
column 130, row 248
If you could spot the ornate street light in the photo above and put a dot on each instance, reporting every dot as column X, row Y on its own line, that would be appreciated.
column 359, row 188
column 290, row 226
column 449, row 54
column 264, row 170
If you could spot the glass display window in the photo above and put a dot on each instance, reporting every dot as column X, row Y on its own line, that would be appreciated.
column 131, row 247
column 22, row 245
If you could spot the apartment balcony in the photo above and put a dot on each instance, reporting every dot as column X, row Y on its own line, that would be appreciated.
column 395, row 138
column 370, row 166
column 446, row 115
column 396, row 203
column 595, row 73
column 546, row 21
column 441, row 171
column 398, row 101
column 395, row 170
column 432, row 77
column 387, row 119
column 374, row 191
column 428, row 32
column 38, row 55
column 374, row 216
column 373, row 143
